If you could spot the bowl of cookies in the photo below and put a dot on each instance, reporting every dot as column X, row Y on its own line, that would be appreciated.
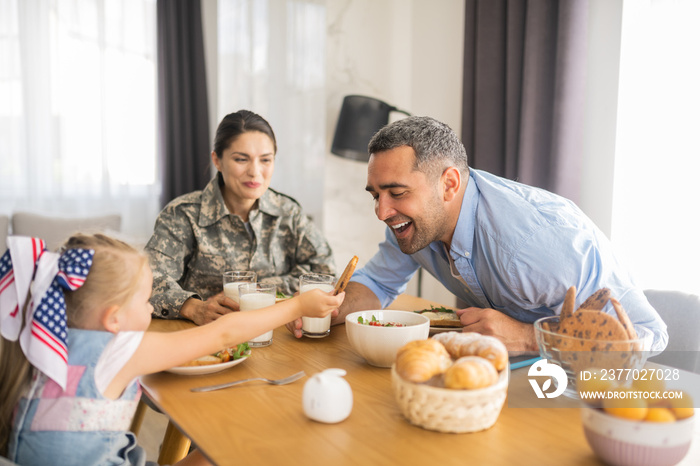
column 590, row 339
column 453, row 382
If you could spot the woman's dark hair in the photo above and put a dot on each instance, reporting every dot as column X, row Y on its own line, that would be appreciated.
column 235, row 124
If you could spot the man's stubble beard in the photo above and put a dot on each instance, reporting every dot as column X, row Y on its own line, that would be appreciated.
column 426, row 229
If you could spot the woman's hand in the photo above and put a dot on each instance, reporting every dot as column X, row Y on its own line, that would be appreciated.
column 202, row 312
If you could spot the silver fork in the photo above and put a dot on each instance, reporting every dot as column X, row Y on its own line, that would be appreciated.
column 286, row 380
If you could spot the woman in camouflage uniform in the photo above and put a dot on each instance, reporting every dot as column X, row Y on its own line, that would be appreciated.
column 236, row 223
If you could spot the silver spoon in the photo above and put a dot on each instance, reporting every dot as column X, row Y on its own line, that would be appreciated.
column 283, row 381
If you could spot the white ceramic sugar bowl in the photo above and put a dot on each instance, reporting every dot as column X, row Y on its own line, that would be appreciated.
column 327, row 396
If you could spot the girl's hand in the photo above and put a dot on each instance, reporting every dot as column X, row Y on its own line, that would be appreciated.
column 317, row 303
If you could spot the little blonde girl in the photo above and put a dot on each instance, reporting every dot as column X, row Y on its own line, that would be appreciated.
column 108, row 348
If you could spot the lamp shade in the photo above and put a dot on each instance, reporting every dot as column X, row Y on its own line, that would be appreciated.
column 360, row 118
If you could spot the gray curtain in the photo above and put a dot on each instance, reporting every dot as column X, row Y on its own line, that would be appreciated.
column 183, row 119
column 524, row 90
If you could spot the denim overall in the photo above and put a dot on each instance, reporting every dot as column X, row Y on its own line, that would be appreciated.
column 78, row 425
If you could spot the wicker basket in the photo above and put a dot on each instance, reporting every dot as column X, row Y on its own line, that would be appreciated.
column 447, row 410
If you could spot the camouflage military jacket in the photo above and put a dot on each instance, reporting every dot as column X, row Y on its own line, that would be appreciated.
column 196, row 239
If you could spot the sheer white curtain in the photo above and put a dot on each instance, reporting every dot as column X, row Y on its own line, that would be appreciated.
column 272, row 61
column 78, row 109
column 656, row 206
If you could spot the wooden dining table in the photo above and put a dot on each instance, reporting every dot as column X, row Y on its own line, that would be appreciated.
column 259, row 423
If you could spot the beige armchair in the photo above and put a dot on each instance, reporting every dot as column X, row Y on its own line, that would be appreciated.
column 56, row 230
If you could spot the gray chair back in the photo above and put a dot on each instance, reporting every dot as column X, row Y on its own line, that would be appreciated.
column 56, row 230
column 4, row 227
column 681, row 312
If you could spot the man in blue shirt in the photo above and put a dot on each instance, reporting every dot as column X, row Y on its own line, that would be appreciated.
column 508, row 250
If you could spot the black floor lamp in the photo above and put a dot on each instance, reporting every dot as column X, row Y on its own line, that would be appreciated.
column 360, row 118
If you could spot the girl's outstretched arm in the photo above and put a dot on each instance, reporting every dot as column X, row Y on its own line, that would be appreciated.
column 162, row 350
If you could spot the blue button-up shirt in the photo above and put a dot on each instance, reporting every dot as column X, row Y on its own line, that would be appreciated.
column 516, row 249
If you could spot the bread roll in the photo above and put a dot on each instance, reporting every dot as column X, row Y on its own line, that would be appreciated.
column 430, row 345
column 470, row 372
column 460, row 344
column 419, row 360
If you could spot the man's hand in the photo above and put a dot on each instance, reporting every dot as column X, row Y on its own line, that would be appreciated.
column 295, row 326
column 202, row 312
column 517, row 336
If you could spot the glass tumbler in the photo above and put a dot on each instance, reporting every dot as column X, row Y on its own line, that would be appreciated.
column 316, row 327
column 256, row 296
column 233, row 278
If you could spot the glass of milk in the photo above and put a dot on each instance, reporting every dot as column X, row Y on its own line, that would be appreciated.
column 316, row 327
column 233, row 278
column 256, row 296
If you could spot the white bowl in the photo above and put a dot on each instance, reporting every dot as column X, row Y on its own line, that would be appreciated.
column 378, row 345
column 622, row 442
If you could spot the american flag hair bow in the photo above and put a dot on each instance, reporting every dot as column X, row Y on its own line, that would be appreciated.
column 43, row 336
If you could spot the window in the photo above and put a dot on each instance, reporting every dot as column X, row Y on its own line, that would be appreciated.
column 656, row 202
column 271, row 59
column 78, row 109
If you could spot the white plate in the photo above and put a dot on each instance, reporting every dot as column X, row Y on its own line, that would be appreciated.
column 208, row 369
column 434, row 330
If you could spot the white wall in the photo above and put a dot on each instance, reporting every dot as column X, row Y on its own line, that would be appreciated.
column 605, row 22
column 211, row 48
column 407, row 53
